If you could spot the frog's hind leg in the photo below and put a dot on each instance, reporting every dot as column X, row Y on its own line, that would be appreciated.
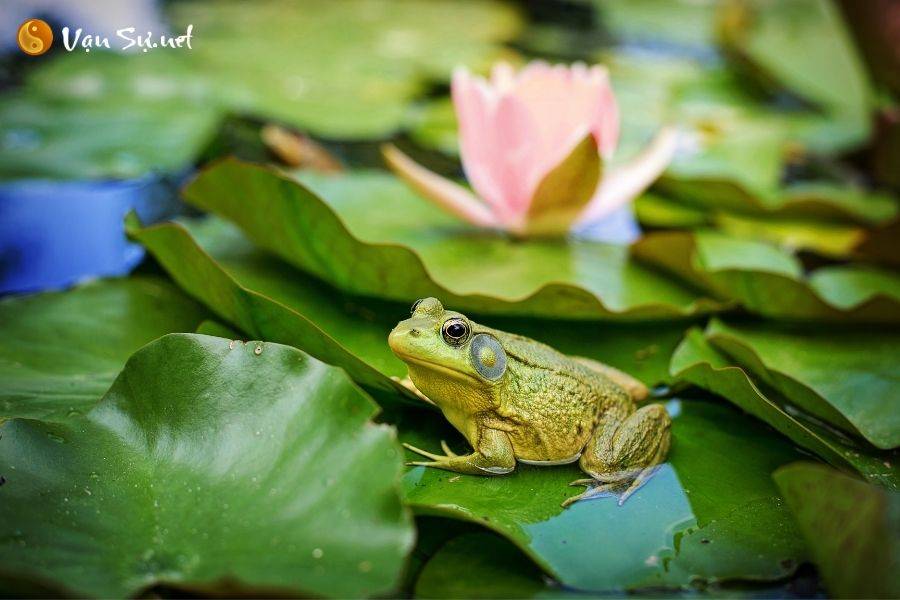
column 622, row 454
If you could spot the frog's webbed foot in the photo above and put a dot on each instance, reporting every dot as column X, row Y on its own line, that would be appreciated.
column 593, row 490
column 622, row 485
column 438, row 460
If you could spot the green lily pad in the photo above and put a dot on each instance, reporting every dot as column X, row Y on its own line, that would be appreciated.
column 217, row 329
column 209, row 462
column 108, row 138
column 853, row 529
column 829, row 220
column 845, row 377
column 267, row 299
column 697, row 361
column 771, row 282
column 482, row 565
column 654, row 210
column 368, row 234
column 432, row 124
column 64, row 349
column 129, row 113
column 802, row 46
column 346, row 85
column 712, row 513
column 657, row 22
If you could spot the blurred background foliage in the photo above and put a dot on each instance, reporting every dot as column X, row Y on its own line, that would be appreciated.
column 761, row 300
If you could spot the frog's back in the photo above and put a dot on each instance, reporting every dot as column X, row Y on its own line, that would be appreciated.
column 553, row 400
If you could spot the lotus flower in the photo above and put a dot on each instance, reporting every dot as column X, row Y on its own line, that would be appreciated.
column 534, row 147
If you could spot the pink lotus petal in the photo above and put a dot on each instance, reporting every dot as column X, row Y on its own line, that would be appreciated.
column 497, row 142
column 626, row 182
column 445, row 193
column 565, row 98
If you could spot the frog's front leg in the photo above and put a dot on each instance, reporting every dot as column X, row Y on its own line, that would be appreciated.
column 624, row 452
column 493, row 456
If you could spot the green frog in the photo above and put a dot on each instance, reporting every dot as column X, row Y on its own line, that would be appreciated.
column 517, row 400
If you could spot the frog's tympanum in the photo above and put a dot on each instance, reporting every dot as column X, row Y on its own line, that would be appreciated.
column 518, row 400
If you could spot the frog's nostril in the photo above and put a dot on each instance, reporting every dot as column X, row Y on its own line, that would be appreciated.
column 414, row 333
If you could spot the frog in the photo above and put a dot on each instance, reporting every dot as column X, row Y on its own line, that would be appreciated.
column 518, row 400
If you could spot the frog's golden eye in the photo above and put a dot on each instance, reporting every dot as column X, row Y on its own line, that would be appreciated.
column 455, row 331
column 412, row 309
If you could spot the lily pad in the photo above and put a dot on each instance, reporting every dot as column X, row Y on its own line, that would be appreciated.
column 771, row 282
column 156, row 110
column 853, row 529
column 711, row 513
column 63, row 350
column 666, row 24
column 268, row 299
column 802, row 46
column 105, row 138
column 217, row 329
column 846, row 377
column 209, row 462
column 697, row 361
column 407, row 249
column 825, row 218
column 482, row 565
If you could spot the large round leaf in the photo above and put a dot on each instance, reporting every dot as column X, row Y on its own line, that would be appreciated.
column 802, row 46
column 367, row 233
column 711, row 513
column 62, row 350
column 681, row 23
column 105, row 138
column 697, row 361
column 771, row 282
column 338, row 69
column 853, row 529
column 481, row 565
column 266, row 299
column 208, row 462
column 834, row 221
column 484, row 565
column 845, row 377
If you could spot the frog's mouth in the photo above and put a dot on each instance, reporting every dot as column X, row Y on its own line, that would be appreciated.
column 433, row 366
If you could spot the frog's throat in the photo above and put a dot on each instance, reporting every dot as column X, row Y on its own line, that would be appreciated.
column 437, row 367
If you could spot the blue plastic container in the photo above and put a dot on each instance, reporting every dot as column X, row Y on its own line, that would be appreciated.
column 56, row 233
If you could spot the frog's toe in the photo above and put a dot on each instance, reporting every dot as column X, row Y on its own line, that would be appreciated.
column 424, row 453
column 591, row 492
column 637, row 483
column 423, row 463
column 587, row 481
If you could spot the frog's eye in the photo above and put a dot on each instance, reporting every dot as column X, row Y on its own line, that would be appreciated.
column 412, row 309
column 455, row 331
